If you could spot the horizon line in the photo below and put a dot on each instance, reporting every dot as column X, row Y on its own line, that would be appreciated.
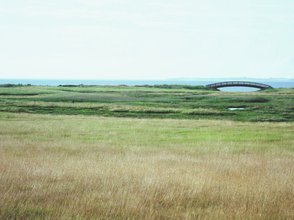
column 167, row 79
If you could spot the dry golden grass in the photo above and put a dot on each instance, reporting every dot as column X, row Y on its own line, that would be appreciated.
column 61, row 167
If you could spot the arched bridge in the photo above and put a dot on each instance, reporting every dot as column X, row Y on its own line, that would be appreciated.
column 239, row 84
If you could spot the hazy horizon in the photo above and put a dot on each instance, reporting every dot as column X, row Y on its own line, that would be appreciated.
column 152, row 79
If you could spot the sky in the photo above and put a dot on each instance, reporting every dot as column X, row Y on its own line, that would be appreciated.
column 146, row 39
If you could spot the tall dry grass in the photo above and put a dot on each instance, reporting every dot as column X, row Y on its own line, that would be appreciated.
column 46, row 173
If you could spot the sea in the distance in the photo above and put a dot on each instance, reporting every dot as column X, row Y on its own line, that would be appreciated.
column 57, row 82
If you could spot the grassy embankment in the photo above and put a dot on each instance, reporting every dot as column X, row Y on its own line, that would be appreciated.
column 89, row 167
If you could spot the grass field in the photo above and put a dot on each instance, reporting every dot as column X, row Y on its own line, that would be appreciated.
column 61, row 159
column 179, row 102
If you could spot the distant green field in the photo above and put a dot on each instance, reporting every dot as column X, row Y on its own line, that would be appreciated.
column 179, row 102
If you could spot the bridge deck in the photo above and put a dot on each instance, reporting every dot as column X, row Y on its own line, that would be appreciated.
column 238, row 83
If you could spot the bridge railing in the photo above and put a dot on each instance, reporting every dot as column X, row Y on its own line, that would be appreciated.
column 239, row 83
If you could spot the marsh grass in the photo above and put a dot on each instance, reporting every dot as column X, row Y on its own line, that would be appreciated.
column 78, row 167
column 163, row 101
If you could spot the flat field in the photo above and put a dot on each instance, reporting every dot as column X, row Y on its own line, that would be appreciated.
column 163, row 101
column 61, row 159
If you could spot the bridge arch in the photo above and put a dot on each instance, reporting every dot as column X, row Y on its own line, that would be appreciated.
column 239, row 84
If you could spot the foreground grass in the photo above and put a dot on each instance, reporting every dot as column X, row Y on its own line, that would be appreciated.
column 62, row 167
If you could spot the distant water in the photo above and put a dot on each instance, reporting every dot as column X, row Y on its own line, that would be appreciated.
column 275, row 84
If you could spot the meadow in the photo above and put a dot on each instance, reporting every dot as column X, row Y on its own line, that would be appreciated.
column 145, row 153
column 162, row 101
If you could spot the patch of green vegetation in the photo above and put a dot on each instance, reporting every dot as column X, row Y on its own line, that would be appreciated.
column 166, row 86
column 26, row 213
column 162, row 101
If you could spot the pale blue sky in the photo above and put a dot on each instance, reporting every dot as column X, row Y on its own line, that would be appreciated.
column 146, row 39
